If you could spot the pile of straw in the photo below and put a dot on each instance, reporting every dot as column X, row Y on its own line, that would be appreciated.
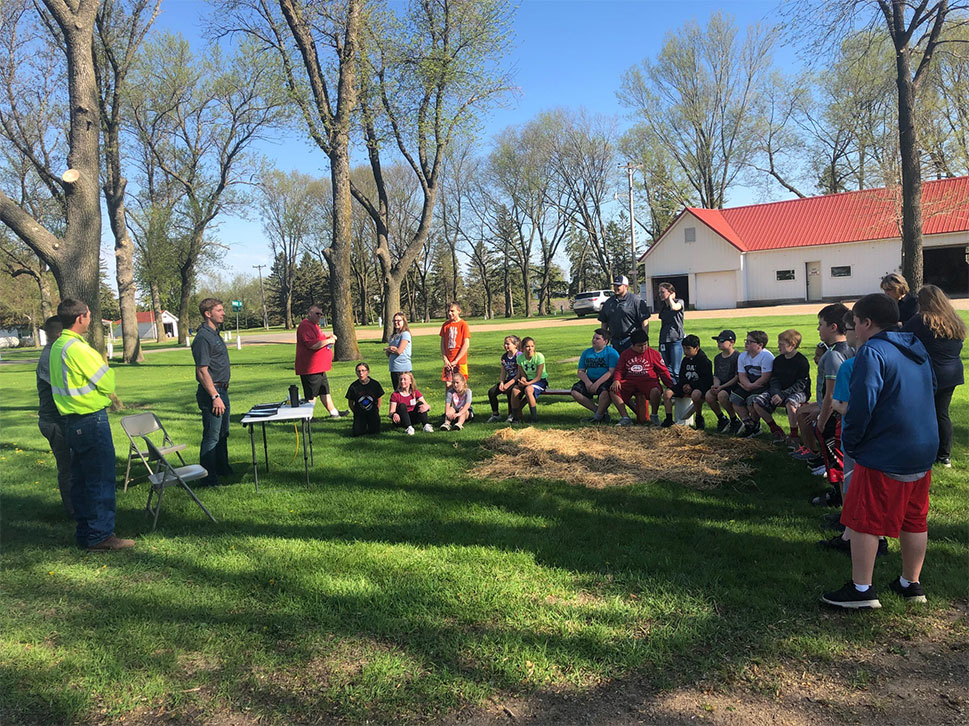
column 606, row 456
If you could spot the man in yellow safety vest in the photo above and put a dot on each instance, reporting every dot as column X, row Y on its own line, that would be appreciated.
column 81, row 383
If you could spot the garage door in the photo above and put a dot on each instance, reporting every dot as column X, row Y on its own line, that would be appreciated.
column 716, row 290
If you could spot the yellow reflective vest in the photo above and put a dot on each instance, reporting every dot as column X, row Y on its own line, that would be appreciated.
column 79, row 378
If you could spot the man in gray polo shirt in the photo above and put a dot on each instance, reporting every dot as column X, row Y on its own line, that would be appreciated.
column 623, row 314
column 212, row 372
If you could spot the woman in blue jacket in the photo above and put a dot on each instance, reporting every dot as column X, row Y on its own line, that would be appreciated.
column 941, row 331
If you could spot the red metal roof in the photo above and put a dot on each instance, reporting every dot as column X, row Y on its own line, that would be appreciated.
column 869, row 214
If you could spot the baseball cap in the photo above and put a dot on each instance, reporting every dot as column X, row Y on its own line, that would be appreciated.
column 725, row 335
column 620, row 280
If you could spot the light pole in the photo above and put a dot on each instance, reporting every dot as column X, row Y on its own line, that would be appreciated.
column 262, row 294
column 629, row 166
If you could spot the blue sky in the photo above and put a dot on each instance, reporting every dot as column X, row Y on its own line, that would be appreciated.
column 568, row 53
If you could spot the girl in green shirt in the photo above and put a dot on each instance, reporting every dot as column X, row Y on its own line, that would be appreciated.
column 532, row 379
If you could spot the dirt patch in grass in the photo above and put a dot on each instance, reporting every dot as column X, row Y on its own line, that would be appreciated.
column 606, row 456
column 923, row 681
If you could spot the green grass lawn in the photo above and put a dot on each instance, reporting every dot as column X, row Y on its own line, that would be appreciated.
column 397, row 587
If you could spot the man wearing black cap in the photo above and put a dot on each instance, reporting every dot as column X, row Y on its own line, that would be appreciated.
column 624, row 313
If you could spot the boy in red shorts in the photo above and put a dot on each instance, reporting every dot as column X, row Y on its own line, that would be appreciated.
column 638, row 373
column 889, row 430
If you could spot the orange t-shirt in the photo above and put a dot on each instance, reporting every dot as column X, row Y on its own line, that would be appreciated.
column 454, row 335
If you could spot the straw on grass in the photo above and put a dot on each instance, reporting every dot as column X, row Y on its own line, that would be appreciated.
column 607, row 457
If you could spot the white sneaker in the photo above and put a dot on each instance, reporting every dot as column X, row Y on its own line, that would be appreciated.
column 409, row 431
column 428, row 429
column 494, row 418
column 446, row 426
column 334, row 414
column 510, row 419
column 625, row 421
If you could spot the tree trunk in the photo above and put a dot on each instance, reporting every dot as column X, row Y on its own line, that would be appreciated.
column 338, row 259
column 124, row 267
column 911, row 174
column 160, row 335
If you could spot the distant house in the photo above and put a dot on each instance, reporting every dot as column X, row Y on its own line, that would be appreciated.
column 803, row 250
column 146, row 325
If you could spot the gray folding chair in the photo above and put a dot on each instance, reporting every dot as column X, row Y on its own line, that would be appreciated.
column 169, row 476
column 141, row 425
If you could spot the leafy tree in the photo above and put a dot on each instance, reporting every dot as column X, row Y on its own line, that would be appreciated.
column 698, row 98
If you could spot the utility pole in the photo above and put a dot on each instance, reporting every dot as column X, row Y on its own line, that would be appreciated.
column 629, row 166
column 262, row 294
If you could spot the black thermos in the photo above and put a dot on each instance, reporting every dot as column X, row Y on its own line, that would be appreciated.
column 293, row 396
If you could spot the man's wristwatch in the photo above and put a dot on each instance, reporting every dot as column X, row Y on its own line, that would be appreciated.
column 215, row 396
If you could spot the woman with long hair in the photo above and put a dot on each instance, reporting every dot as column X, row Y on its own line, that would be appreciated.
column 941, row 331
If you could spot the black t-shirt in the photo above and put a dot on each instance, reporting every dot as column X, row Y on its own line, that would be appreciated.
column 364, row 396
column 671, row 328
column 697, row 371
column 907, row 307
column 725, row 368
column 624, row 315
column 791, row 375
column 209, row 350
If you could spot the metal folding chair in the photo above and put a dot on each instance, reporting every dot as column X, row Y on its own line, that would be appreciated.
column 141, row 425
column 169, row 476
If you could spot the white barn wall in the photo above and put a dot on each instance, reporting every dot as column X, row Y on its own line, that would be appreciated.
column 674, row 256
column 953, row 239
column 869, row 262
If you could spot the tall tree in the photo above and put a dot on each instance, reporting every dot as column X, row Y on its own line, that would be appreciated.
column 73, row 252
column 698, row 97
column 428, row 70
column 121, row 26
column 288, row 204
column 916, row 33
column 198, row 117
column 315, row 43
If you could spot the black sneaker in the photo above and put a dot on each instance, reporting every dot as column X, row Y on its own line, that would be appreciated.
column 849, row 598
column 698, row 422
column 736, row 426
column 833, row 524
column 667, row 422
column 912, row 593
column 722, row 425
column 837, row 543
column 751, row 431
column 814, row 462
column 831, row 498
column 945, row 462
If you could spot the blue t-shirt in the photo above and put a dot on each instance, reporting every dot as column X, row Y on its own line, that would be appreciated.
column 596, row 364
column 400, row 362
column 842, row 381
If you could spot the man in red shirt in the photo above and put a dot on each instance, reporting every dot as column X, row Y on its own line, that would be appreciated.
column 314, row 357
column 638, row 373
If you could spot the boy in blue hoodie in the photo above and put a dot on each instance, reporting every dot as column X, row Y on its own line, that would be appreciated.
column 889, row 430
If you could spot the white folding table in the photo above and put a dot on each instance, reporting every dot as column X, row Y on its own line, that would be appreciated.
column 302, row 414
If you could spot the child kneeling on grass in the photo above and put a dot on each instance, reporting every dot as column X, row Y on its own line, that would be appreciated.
column 364, row 396
column 790, row 386
column 532, row 379
column 638, row 374
column 407, row 406
column 695, row 379
column 457, row 406
column 507, row 374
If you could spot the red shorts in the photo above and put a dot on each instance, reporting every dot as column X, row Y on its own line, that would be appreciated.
column 877, row 504
column 631, row 387
column 462, row 369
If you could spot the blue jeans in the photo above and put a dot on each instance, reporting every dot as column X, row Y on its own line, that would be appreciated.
column 214, row 451
column 672, row 353
column 92, row 476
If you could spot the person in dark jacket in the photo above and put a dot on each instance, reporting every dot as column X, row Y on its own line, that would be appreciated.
column 896, row 287
column 623, row 314
column 941, row 331
column 889, row 430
